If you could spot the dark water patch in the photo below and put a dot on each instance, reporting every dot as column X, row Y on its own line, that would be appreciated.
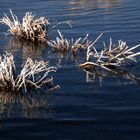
column 73, row 129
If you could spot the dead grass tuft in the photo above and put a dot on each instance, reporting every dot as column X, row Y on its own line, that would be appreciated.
column 30, row 28
column 33, row 76
column 110, row 57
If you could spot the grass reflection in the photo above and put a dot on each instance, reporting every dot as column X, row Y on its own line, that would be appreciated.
column 90, row 4
column 100, row 74
column 26, row 105
column 27, row 48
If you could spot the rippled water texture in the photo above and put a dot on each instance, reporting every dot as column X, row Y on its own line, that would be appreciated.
column 103, row 108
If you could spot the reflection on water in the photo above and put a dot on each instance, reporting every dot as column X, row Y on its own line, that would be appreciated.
column 24, row 48
column 92, row 13
column 25, row 105
column 91, row 76
column 108, row 3
column 90, row 4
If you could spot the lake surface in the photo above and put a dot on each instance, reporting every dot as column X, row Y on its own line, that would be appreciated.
column 82, row 109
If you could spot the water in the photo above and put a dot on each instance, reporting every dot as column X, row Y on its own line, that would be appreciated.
column 79, row 109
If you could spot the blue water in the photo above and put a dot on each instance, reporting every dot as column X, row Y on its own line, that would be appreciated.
column 81, row 110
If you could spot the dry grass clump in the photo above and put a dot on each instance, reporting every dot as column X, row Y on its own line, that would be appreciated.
column 30, row 28
column 34, row 75
column 113, row 56
column 63, row 45
column 109, row 58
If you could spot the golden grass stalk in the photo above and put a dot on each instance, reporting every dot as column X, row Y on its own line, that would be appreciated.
column 34, row 74
column 30, row 28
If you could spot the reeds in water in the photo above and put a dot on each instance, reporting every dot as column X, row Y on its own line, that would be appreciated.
column 60, row 44
column 33, row 76
column 113, row 56
column 30, row 28
column 108, row 58
column 63, row 44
